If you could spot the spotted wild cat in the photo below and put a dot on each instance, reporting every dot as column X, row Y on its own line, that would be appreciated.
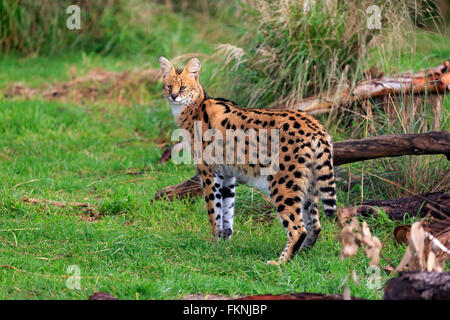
column 302, row 173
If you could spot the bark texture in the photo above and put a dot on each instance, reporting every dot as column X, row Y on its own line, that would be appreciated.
column 418, row 286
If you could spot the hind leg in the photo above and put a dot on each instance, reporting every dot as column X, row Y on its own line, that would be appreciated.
column 311, row 213
column 296, row 234
column 288, row 207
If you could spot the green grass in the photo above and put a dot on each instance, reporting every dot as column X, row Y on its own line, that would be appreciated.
column 41, row 70
column 106, row 27
column 150, row 250
column 144, row 249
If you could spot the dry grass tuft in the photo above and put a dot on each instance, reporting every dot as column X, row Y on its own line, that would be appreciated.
column 295, row 49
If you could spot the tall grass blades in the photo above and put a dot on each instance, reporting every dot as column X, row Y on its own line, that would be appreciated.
column 294, row 49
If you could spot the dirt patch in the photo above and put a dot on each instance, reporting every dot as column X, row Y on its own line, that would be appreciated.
column 98, row 84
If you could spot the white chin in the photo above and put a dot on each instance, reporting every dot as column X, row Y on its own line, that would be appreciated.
column 176, row 107
column 176, row 101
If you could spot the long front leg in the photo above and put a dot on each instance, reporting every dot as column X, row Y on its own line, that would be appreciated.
column 212, row 185
column 228, row 196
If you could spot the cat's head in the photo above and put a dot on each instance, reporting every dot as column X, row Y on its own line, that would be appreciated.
column 181, row 86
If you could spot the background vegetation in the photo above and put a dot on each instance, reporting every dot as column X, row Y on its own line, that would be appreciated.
column 105, row 151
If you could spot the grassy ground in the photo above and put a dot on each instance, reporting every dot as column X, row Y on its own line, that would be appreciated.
column 140, row 249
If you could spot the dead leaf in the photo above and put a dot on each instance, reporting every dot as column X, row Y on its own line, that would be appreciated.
column 349, row 245
column 352, row 236
column 373, row 249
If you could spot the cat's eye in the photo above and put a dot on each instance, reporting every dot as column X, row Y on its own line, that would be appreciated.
column 182, row 88
column 169, row 86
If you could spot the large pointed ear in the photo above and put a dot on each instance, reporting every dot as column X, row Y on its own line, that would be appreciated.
column 165, row 66
column 193, row 68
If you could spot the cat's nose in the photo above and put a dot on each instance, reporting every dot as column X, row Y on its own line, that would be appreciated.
column 173, row 96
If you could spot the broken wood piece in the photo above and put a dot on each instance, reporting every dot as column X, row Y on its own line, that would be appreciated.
column 418, row 286
column 55, row 203
column 434, row 204
column 439, row 234
column 424, row 251
column 191, row 187
column 26, row 182
column 431, row 81
column 89, row 209
column 138, row 179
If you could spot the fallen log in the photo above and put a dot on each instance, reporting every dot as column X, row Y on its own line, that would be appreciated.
column 347, row 152
column 436, row 142
column 436, row 205
column 431, row 81
column 418, row 286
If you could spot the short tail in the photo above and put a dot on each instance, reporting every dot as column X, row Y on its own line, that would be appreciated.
column 324, row 172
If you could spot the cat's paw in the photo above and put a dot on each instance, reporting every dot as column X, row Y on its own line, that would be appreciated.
column 274, row 262
column 227, row 233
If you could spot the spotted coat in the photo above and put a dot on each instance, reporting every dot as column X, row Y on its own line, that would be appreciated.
column 305, row 167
